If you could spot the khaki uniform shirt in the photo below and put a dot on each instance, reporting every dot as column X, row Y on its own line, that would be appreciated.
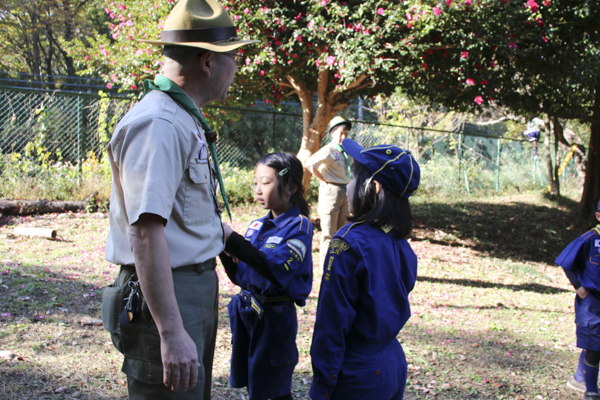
column 160, row 165
column 331, row 163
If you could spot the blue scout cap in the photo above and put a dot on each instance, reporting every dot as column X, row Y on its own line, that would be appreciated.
column 393, row 167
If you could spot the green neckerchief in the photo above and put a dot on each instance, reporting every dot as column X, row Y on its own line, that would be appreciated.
column 166, row 85
column 341, row 149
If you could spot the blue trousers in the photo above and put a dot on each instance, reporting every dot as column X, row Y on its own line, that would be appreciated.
column 264, row 349
column 587, row 321
column 372, row 372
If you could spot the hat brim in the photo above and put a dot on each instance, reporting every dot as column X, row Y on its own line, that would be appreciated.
column 353, row 149
column 216, row 47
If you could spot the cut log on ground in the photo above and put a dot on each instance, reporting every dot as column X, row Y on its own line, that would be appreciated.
column 30, row 207
column 37, row 232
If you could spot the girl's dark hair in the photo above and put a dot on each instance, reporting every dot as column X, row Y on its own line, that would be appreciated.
column 380, row 208
column 292, row 175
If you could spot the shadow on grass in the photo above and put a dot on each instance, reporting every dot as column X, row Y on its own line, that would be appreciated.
column 516, row 230
column 526, row 287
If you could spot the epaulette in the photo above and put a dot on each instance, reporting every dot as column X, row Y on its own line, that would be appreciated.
column 304, row 224
column 352, row 226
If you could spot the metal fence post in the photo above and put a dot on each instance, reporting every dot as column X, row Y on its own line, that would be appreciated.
column 79, row 140
column 498, row 165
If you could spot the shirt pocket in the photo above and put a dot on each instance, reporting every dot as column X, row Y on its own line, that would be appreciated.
column 198, row 201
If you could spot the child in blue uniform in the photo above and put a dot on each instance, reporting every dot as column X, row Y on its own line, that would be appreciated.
column 368, row 273
column 272, row 264
column 581, row 262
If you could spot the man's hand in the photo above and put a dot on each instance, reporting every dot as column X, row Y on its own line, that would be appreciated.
column 582, row 292
column 180, row 361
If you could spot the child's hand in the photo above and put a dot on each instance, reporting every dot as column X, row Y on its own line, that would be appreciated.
column 582, row 292
column 233, row 258
column 227, row 229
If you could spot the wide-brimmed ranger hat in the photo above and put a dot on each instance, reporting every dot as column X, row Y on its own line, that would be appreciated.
column 393, row 167
column 336, row 121
column 200, row 23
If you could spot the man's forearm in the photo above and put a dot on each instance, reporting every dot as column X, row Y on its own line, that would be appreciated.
column 315, row 172
column 153, row 268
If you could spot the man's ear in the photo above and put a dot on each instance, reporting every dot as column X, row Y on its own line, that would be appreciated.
column 206, row 62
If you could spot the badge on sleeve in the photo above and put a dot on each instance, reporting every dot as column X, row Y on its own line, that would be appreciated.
column 597, row 243
column 255, row 225
column 297, row 247
column 249, row 233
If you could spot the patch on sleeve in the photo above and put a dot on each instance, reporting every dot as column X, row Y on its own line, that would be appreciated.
column 297, row 247
column 597, row 243
column 255, row 225
column 274, row 239
column 336, row 246
column 249, row 233
column 269, row 247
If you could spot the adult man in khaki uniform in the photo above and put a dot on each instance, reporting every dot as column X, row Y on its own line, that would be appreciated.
column 331, row 165
column 165, row 224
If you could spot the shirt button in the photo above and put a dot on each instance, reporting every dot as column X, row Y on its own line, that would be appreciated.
column 377, row 372
column 333, row 377
column 260, row 238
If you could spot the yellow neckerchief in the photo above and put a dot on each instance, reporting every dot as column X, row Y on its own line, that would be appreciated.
column 597, row 229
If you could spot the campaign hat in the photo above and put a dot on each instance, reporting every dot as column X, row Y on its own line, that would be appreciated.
column 394, row 168
column 338, row 121
column 204, row 24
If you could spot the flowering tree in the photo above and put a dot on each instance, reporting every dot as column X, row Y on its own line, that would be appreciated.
column 332, row 50
column 535, row 58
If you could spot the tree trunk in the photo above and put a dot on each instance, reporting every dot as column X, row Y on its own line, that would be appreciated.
column 25, row 207
column 554, row 186
column 591, row 185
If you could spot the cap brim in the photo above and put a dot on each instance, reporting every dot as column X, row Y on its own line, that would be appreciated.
column 353, row 149
column 216, row 47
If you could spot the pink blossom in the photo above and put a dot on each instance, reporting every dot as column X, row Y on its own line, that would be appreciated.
column 122, row 7
column 104, row 52
column 247, row 11
column 449, row 3
column 248, row 61
column 107, row 10
column 299, row 38
column 310, row 24
column 414, row 74
column 109, row 85
column 324, row 3
column 112, row 15
column 425, row 66
column 330, row 60
column 337, row 75
column 236, row 17
column 512, row 45
column 468, row 2
column 479, row 100
column 86, row 58
column 484, row 82
column 470, row 82
column 133, row 87
column 544, row 39
column 437, row 11
column 546, row 3
column 380, row 11
column 262, row 73
column 464, row 55
column 129, row 23
column 318, row 63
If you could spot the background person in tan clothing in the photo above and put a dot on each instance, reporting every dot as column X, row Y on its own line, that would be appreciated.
column 331, row 165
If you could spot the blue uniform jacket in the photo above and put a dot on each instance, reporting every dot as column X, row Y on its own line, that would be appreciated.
column 367, row 276
column 582, row 256
column 286, row 243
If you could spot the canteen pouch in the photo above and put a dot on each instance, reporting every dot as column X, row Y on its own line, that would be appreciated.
column 138, row 340
column 113, row 304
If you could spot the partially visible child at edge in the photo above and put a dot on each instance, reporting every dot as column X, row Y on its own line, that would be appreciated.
column 272, row 263
column 581, row 262
column 368, row 273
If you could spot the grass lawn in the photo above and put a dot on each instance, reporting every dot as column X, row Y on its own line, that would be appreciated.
column 492, row 314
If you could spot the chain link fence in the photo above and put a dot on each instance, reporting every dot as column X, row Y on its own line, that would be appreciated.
column 70, row 125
